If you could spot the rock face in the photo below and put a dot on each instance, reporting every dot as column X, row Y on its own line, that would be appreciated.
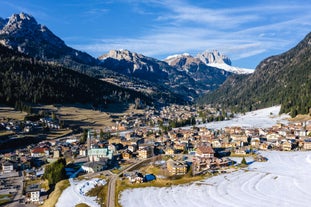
column 214, row 57
column 22, row 32
column 199, row 71
column 131, row 63
column 183, row 74
column 205, row 60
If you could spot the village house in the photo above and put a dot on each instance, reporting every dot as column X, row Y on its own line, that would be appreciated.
column 127, row 154
column 241, row 138
column 240, row 152
column 205, row 151
column 180, row 147
column 145, row 152
column 93, row 167
column 286, row 145
column 176, row 167
column 135, row 177
column 216, row 143
column 307, row 144
column 169, row 151
column 255, row 142
column 83, row 151
column 56, row 153
column 132, row 147
column 39, row 152
column 7, row 166
column 273, row 137
column 33, row 193
column 264, row 146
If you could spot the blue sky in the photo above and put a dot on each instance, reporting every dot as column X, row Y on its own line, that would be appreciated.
column 246, row 31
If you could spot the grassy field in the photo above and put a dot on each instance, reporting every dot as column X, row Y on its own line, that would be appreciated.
column 82, row 205
column 100, row 192
column 8, row 112
column 86, row 117
column 78, row 115
column 302, row 118
column 6, row 133
column 53, row 134
column 59, row 188
column 4, row 198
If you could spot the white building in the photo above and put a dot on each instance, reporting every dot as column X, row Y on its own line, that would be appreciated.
column 33, row 193
column 95, row 154
column 7, row 167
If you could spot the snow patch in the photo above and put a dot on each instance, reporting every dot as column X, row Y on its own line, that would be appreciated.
column 75, row 193
column 177, row 56
column 262, row 118
column 230, row 68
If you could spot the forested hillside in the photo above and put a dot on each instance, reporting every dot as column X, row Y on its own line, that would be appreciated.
column 25, row 79
column 283, row 79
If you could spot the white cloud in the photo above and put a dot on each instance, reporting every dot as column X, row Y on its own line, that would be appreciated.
column 239, row 32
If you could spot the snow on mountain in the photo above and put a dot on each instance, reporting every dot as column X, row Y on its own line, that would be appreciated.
column 230, row 68
column 212, row 59
column 171, row 58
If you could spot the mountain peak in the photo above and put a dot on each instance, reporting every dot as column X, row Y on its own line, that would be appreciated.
column 21, row 32
column 23, row 16
column 121, row 54
column 214, row 57
column 19, row 21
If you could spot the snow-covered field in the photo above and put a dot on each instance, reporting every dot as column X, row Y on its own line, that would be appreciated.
column 262, row 118
column 284, row 180
column 75, row 193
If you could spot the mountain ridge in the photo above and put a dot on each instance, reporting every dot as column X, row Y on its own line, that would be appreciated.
column 22, row 33
column 211, row 59
column 280, row 79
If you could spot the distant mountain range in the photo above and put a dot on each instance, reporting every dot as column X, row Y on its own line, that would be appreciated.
column 190, row 80
column 211, row 59
column 161, row 80
column 282, row 79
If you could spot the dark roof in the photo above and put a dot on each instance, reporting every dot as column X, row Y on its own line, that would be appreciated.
column 32, row 188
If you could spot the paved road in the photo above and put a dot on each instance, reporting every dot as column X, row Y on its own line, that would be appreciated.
column 111, row 191
column 19, row 194
column 112, row 182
